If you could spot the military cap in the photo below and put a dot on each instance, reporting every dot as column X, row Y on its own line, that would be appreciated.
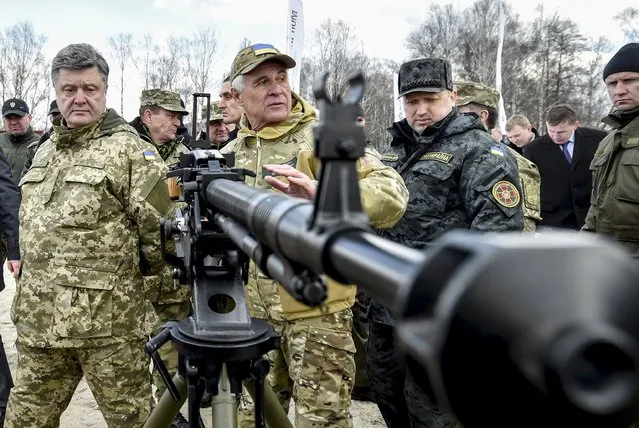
column 216, row 113
column 425, row 75
column 15, row 106
column 249, row 58
column 168, row 100
column 471, row 92
column 53, row 108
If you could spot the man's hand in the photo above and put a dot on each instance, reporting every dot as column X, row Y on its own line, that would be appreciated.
column 14, row 267
column 299, row 184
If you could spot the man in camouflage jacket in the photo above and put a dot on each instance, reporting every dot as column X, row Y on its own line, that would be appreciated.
column 89, row 231
column 315, row 363
column 480, row 99
column 456, row 179
column 158, row 122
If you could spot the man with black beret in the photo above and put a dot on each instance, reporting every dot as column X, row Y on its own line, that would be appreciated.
column 614, row 205
column 458, row 178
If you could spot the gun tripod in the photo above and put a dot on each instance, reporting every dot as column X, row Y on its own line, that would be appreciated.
column 220, row 346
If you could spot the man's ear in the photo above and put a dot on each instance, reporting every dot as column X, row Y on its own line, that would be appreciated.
column 577, row 123
column 236, row 96
column 146, row 116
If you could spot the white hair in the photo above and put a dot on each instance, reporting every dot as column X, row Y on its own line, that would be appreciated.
column 238, row 83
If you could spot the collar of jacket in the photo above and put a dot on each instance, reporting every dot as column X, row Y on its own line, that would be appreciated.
column 301, row 112
column 109, row 123
column 27, row 137
column 618, row 118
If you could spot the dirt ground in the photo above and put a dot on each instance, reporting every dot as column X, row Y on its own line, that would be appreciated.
column 83, row 412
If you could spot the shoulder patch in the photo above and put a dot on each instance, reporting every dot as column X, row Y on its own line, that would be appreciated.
column 496, row 150
column 437, row 156
column 149, row 155
column 390, row 157
column 506, row 194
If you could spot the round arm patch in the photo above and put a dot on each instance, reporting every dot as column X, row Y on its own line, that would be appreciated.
column 506, row 194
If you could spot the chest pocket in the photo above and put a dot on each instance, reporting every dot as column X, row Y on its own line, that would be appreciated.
column 82, row 195
column 628, row 177
column 37, row 186
column 429, row 184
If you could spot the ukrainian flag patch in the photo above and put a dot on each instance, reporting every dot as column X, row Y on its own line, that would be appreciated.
column 149, row 155
column 496, row 150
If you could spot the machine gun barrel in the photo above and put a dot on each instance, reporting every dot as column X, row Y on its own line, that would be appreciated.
column 499, row 320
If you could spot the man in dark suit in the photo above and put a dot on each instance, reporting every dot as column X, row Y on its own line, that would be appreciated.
column 563, row 157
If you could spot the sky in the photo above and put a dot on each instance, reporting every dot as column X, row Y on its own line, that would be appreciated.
column 382, row 25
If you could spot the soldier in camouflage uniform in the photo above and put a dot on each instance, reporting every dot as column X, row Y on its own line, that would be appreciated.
column 482, row 100
column 614, row 205
column 89, row 231
column 160, row 113
column 315, row 364
column 456, row 180
column 218, row 131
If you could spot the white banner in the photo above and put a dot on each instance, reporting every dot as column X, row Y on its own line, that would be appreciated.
column 500, row 47
column 295, row 40
column 399, row 102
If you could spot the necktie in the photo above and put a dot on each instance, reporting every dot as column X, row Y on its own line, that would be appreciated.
column 564, row 148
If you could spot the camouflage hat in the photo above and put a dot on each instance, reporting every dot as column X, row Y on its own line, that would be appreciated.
column 425, row 75
column 249, row 58
column 216, row 113
column 162, row 98
column 471, row 92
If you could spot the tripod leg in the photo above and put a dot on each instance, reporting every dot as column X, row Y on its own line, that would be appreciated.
column 224, row 403
column 167, row 408
column 274, row 413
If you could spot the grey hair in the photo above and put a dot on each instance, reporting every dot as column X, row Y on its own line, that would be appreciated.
column 238, row 83
column 79, row 56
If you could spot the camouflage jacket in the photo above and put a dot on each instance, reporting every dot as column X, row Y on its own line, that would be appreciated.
column 89, row 230
column 530, row 190
column 291, row 142
column 614, row 205
column 463, row 180
column 163, row 288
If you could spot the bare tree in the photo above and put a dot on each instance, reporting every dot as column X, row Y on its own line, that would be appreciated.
column 335, row 49
column 144, row 62
column 629, row 21
column 438, row 35
column 199, row 53
column 24, row 71
column 121, row 50
column 245, row 43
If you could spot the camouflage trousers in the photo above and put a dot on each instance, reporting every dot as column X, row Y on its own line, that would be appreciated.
column 47, row 378
column 168, row 353
column 315, row 366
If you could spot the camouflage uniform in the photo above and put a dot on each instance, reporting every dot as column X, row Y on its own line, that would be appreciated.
column 89, row 229
column 315, row 363
column 614, row 206
column 172, row 301
column 470, row 92
column 216, row 115
column 458, row 179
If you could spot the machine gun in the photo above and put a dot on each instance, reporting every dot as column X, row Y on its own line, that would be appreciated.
column 513, row 330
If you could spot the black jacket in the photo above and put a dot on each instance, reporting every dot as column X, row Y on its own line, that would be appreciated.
column 565, row 189
column 9, row 207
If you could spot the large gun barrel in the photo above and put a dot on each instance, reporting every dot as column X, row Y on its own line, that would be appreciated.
column 515, row 331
